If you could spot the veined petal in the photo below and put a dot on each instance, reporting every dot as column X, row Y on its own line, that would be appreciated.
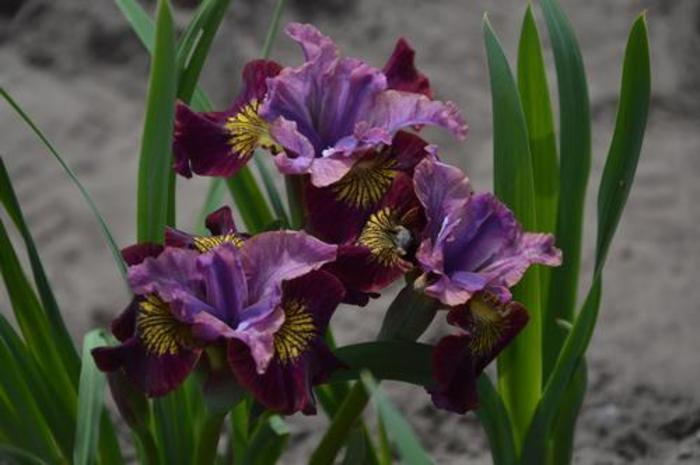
column 220, row 143
column 272, row 257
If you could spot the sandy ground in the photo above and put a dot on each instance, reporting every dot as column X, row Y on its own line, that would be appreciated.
column 77, row 69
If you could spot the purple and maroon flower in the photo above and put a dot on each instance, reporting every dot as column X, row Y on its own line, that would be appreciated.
column 220, row 143
column 472, row 242
column 187, row 300
column 329, row 112
column 487, row 326
column 221, row 226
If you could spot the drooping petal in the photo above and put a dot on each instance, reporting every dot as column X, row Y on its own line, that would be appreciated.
column 455, row 375
column 401, row 73
column 220, row 143
column 458, row 360
column 272, row 257
column 124, row 326
column 155, row 375
column 300, row 359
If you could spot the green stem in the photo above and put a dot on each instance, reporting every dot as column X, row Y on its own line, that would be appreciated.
column 209, row 439
column 295, row 197
column 148, row 447
column 344, row 420
column 274, row 27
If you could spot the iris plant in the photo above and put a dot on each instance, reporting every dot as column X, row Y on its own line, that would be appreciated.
column 235, row 323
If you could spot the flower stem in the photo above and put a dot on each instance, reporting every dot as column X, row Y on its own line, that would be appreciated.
column 295, row 197
column 344, row 420
column 209, row 438
column 148, row 447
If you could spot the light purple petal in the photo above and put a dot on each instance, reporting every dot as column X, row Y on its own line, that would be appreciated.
column 442, row 190
column 169, row 273
column 316, row 46
column 272, row 257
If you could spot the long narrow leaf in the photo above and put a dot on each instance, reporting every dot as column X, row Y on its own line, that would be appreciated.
column 520, row 365
column 90, row 402
column 267, row 442
column 33, row 323
column 96, row 213
column 493, row 416
column 408, row 445
column 618, row 177
column 155, row 158
column 575, row 161
column 57, row 326
column 23, row 457
column 534, row 94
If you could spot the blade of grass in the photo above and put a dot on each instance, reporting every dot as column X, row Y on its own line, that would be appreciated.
column 493, row 416
column 17, row 455
column 575, row 161
column 267, row 442
column 408, row 445
column 534, row 94
column 30, row 429
column 618, row 176
column 155, row 159
column 33, row 323
column 520, row 365
column 56, row 324
column 93, row 208
column 53, row 412
column 271, row 191
column 561, row 442
column 90, row 402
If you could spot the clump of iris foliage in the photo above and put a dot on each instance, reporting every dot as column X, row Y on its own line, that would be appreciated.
column 228, row 329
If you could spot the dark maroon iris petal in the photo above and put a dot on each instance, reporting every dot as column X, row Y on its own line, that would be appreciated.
column 455, row 375
column 339, row 221
column 221, row 222
column 124, row 326
column 458, row 360
column 401, row 73
column 202, row 144
column 135, row 254
column 361, row 273
column 286, row 385
column 155, row 375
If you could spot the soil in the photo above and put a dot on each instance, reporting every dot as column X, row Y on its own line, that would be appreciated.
column 81, row 74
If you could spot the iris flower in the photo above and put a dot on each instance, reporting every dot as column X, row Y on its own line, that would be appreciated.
column 187, row 300
column 472, row 242
column 487, row 326
column 328, row 112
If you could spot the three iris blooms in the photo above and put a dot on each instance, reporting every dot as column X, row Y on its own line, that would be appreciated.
column 378, row 204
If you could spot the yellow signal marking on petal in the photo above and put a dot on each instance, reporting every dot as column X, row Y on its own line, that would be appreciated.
column 160, row 331
column 489, row 321
column 366, row 183
column 383, row 235
column 296, row 333
column 206, row 243
column 248, row 131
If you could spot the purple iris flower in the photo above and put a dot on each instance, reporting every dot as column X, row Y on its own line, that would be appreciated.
column 327, row 112
column 220, row 143
column 472, row 242
column 187, row 300
column 487, row 326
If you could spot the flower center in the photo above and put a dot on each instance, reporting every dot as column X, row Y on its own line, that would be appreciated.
column 160, row 331
column 366, row 183
column 248, row 131
column 296, row 333
column 488, row 317
column 206, row 243
column 385, row 237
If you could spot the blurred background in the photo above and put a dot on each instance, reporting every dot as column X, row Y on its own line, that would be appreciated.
column 79, row 71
